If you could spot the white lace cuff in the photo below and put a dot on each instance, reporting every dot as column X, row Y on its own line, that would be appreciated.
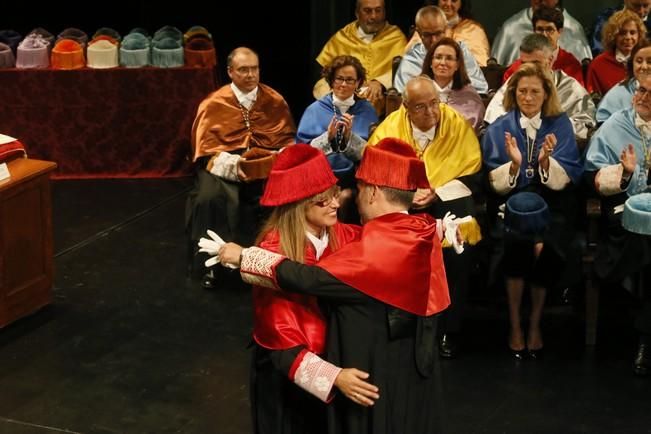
column 321, row 142
column 556, row 178
column 257, row 267
column 316, row 376
column 500, row 179
column 225, row 166
column 608, row 179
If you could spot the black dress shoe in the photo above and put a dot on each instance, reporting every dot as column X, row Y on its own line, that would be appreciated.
column 536, row 354
column 642, row 361
column 448, row 345
column 209, row 281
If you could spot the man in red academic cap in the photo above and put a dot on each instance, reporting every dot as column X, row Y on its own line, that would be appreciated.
column 383, row 291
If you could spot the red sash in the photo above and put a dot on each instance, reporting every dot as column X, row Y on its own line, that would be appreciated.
column 397, row 260
column 284, row 319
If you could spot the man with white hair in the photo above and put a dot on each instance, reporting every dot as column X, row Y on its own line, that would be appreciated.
column 448, row 146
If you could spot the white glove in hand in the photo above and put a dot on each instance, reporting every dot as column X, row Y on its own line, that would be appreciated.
column 212, row 261
column 500, row 211
column 451, row 225
column 212, row 246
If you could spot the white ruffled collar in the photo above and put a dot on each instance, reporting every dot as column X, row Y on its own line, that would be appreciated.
column 320, row 244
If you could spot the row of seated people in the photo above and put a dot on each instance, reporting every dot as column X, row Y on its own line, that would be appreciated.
column 462, row 27
column 601, row 74
column 616, row 32
column 445, row 63
column 374, row 42
column 73, row 49
column 538, row 154
column 532, row 147
column 572, row 36
column 574, row 99
column 621, row 33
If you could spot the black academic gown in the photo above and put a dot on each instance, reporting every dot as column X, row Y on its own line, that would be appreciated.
column 395, row 347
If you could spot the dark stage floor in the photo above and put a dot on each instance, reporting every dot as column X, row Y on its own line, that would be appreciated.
column 131, row 345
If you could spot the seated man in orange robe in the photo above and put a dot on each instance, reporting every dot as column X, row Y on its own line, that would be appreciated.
column 244, row 116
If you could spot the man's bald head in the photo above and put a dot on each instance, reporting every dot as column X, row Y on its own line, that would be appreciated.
column 239, row 51
column 421, row 99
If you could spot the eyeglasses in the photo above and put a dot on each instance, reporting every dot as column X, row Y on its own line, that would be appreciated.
column 245, row 70
column 347, row 80
column 427, row 35
column 421, row 107
column 323, row 202
column 642, row 91
column 442, row 58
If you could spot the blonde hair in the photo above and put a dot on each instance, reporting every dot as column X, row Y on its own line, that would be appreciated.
column 551, row 106
column 614, row 25
column 290, row 222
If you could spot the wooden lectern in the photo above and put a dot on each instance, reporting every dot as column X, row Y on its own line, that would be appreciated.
column 26, row 251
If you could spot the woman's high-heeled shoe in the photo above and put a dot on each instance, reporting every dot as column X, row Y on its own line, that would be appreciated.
column 518, row 354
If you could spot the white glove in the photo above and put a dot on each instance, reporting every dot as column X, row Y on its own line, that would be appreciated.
column 500, row 211
column 212, row 261
column 451, row 225
column 212, row 246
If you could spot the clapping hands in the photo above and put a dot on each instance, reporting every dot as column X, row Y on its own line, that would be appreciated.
column 628, row 159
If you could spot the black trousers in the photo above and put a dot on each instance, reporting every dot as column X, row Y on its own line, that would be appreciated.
column 457, row 267
column 231, row 209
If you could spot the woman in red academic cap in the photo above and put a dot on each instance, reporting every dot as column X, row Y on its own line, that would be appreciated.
column 383, row 290
column 290, row 329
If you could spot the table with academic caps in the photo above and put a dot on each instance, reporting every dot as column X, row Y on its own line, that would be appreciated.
column 105, row 123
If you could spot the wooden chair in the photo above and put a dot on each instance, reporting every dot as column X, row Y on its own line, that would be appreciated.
column 393, row 97
column 493, row 72
column 393, row 101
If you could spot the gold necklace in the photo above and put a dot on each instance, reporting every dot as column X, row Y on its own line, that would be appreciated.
column 247, row 123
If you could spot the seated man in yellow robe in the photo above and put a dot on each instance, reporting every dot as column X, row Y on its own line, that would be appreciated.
column 374, row 42
column 447, row 144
